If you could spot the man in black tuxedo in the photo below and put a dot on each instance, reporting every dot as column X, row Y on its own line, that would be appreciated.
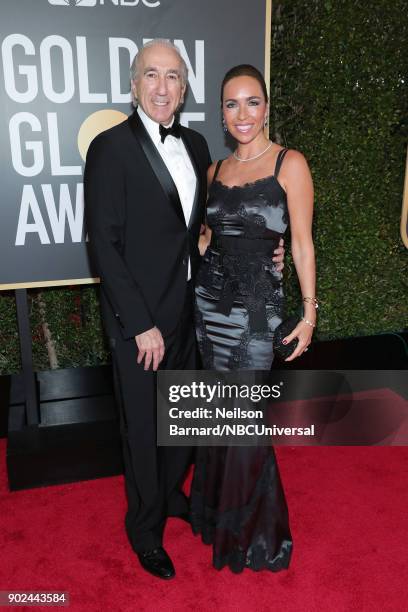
column 145, row 193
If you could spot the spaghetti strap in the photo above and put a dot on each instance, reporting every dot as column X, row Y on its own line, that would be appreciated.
column 279, row 161
column 217, row 169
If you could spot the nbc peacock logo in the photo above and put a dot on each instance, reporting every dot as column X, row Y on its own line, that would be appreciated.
column 148, row 3
column 73, row 2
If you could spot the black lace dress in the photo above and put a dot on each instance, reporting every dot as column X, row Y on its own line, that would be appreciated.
column 237, row 500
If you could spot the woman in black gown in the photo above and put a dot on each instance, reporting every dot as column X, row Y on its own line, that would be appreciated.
column 237, row 500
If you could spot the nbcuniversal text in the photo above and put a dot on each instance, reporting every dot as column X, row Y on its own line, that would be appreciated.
column 242, row 430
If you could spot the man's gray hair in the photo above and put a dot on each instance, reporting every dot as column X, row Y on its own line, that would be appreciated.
column 163, row 42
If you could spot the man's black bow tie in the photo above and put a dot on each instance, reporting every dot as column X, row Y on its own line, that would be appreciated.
column 174, row 130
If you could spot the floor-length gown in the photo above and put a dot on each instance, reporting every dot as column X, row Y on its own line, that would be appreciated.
column 237, row 500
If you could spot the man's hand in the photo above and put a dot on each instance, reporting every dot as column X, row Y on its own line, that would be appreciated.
column 151, row 346
column 279, row 254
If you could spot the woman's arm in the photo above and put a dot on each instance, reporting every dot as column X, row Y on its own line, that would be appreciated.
column 297, row 180
column 204, row 239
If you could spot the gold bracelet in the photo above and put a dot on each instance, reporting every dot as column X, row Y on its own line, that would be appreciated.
column 311, row 300
column 308, row 322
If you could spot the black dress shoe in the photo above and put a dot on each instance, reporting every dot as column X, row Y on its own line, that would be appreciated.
column 157, row 562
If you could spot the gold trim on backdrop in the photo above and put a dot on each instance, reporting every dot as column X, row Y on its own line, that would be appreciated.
column 404, row 212
column 268, row 35
column 51, row 283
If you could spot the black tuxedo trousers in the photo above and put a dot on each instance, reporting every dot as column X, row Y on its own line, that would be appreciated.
column 149, row 503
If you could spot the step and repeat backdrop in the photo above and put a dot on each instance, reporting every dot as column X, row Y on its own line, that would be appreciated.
column 65, row 77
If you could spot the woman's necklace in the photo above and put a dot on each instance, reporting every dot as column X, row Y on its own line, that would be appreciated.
column 255, row 156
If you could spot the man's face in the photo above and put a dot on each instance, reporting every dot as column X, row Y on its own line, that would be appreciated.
column 159, row 88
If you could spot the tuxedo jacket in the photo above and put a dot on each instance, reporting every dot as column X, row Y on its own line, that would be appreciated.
column 138, row 238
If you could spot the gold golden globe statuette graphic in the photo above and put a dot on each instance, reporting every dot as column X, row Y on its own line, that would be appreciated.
column 95, row 124
column 404, row 212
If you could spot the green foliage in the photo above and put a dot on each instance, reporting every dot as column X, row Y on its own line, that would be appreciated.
column 73, row 318
column 338, row 94
column 9, row 352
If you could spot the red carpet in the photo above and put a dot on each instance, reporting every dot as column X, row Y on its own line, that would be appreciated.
column 348, row 509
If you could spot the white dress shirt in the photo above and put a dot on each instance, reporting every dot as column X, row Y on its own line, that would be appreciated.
column 178, row 163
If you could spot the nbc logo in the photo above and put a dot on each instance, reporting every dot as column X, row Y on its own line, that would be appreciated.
column 73, row 2
column 148, row 3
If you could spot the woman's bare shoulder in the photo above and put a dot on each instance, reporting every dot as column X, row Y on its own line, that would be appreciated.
column 211, row 171
column 294, row 160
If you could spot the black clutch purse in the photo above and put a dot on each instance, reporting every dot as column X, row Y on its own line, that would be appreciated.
column 284, row 329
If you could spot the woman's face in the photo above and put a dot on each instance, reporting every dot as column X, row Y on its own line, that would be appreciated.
column 244, row 108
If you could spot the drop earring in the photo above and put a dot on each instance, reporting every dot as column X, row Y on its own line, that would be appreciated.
column 224, row 126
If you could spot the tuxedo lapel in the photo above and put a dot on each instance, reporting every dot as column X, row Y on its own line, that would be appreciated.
column 196, row 168
column 157, row 164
